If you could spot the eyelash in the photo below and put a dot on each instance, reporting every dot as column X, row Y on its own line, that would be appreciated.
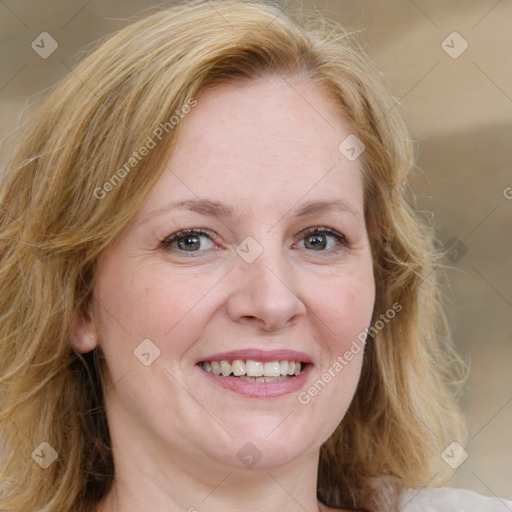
column 166, row 243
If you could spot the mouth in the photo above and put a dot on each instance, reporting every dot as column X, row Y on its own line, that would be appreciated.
column 254, row 371
column 258, row 375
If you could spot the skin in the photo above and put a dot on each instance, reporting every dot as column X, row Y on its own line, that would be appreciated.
column 263, row 148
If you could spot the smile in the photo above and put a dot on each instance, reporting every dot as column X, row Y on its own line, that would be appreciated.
column 254, row 371
column 258, row 379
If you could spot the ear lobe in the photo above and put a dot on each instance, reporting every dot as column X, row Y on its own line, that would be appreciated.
column 83, row 333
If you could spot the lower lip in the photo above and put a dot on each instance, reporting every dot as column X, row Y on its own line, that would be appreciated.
column 260, row 389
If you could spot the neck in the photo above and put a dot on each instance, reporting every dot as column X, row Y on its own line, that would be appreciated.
column 150, row 474
column 180, row 486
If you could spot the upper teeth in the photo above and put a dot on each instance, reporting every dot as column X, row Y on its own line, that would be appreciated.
column 252, row 368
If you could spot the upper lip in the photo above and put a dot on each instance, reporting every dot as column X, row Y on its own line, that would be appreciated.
column 260, row 355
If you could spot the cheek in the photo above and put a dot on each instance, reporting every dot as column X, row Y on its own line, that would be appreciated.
column 148, row 302
column 345, row 306
column 343, row 311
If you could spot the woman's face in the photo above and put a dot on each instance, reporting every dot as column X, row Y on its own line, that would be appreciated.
column 257, row 165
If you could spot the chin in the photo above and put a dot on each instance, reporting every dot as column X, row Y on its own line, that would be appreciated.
column 271, row 444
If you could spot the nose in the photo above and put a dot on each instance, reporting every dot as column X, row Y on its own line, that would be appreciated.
column 265, row 292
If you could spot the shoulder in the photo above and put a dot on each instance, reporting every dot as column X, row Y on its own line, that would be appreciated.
column 449, row 499
column 387, row 494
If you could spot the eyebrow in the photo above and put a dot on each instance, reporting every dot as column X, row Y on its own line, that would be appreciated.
column 215, row 209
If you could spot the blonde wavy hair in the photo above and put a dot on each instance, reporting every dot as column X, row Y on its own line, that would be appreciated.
column 54, row 226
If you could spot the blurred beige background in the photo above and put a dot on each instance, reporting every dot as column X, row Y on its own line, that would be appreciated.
column 458, row 104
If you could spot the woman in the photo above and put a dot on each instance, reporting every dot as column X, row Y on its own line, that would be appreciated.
column 216, row 292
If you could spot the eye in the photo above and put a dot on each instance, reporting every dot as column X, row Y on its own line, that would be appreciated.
column 317, row 238
column 189, row 240
column 192, row 240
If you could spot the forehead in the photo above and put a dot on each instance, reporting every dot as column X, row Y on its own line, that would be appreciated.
column 290, row 113
column 268, row 139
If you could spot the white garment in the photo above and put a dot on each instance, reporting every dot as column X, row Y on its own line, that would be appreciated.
column 449, row 499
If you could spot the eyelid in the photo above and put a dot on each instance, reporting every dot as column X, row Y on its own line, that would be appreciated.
column 168, row 240
column 328, row 231
column 340, row 237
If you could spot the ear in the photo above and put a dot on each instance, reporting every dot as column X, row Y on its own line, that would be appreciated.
column 83, row 336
